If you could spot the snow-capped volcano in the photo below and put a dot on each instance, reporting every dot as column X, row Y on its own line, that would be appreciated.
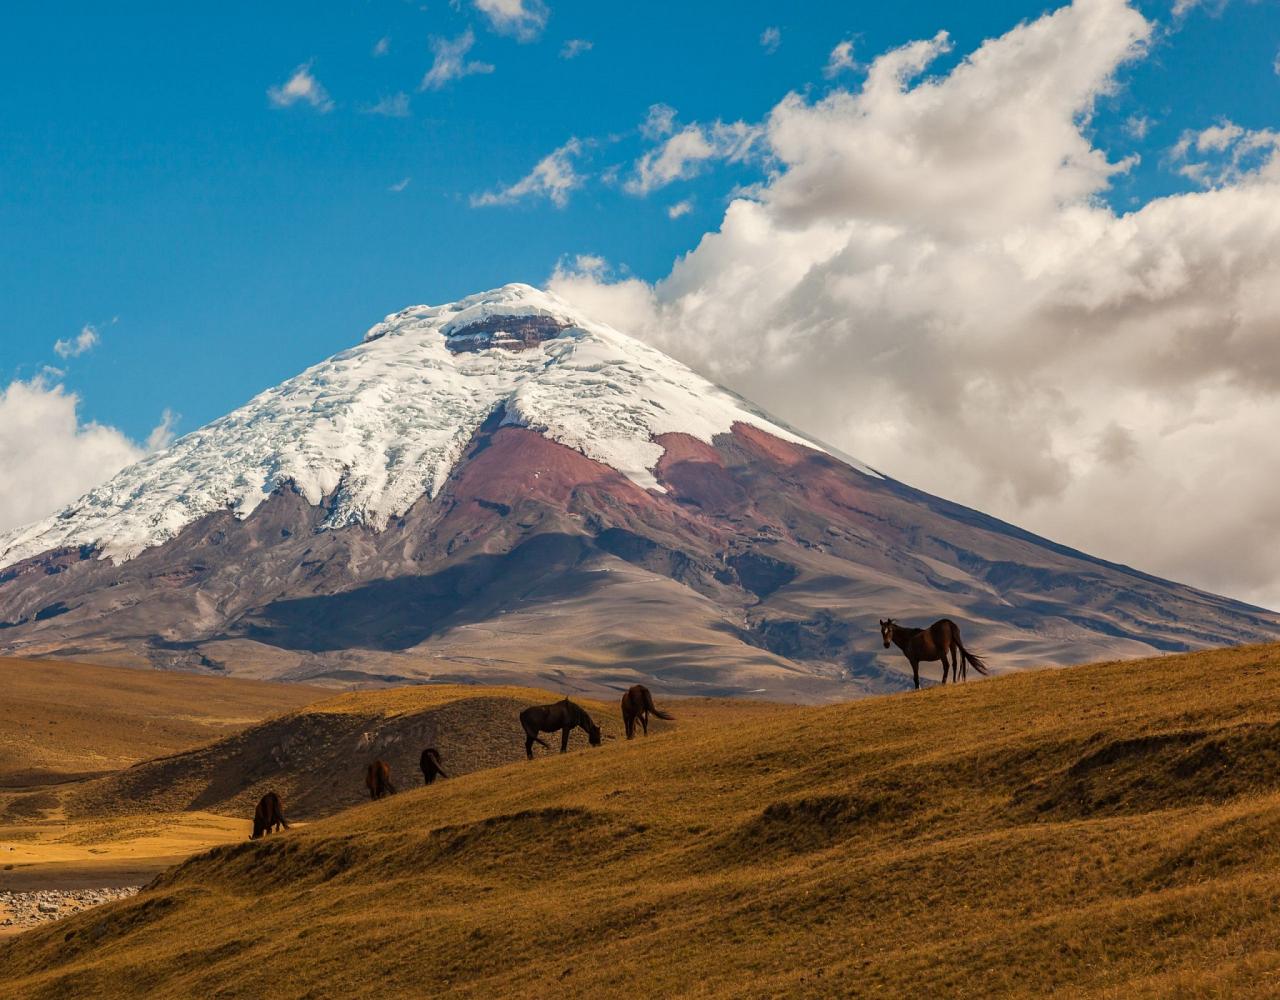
column 380, row 425
column 503, row 489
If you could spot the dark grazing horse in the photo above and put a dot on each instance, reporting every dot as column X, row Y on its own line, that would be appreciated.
column 430, row 764
column 377, row 778
column 564, row 716
column 637, row 703
column 937, row 642
column 268, row 817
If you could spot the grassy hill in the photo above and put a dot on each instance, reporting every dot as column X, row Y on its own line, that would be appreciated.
column 1110, row 830
column 315, row 757
column 61, row 721
column 64, row 725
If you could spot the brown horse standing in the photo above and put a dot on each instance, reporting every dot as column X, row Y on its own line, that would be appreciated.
column 936, row 642
column 564, row 716
column 637, row 703
column 377, row 778
column 268, row 817
column 430, row 764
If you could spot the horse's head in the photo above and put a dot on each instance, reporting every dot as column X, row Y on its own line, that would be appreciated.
column 593, row 734
column 886, row 631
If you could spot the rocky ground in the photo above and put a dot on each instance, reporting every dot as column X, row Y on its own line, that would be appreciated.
column 20, row 910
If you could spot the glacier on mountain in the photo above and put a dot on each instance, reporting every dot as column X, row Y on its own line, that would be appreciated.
column 375, row 427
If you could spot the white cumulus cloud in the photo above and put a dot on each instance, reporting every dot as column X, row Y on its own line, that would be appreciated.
column 50, row 457
column 684, row 151
column 930, row 280
column 1226, row 154
column 552, row 178
column 521, row 19
column 86, row 340
column 840, row 60
column 302, row 88
column 450, row 61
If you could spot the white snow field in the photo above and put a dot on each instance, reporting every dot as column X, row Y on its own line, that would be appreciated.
column 377, row 426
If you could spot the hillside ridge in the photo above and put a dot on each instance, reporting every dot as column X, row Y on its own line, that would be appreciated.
column 1106, row 830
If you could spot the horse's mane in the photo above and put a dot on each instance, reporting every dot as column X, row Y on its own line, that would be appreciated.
column 577, row 712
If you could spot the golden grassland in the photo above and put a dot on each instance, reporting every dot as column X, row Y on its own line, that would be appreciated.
column 1111, row 830
column 60, row 721
column 64, row 724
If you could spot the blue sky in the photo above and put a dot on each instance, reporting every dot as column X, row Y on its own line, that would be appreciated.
column 218, row 243
column 1032, row 265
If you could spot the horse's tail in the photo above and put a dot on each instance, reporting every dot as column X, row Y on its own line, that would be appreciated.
column 974, row 661
column 651, row 707
column 434, row 756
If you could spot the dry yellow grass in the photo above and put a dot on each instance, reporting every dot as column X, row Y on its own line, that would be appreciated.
column 61, row 720
column 1110, row 830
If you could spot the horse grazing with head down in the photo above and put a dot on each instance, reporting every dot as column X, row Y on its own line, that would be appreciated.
column 268, row 817
column 377, row 778
column 937, row 642
column 564, row 716
column 637, row 703
column 430, row 764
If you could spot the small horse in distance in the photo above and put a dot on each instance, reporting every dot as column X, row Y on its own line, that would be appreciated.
column 936, row 642
column 268, row 817
column 637, row 703
column 430, row 764
column 377, row 778
column 562, row 715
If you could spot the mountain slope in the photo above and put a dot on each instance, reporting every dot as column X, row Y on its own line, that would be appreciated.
column 1103, row 831
column 501, row 489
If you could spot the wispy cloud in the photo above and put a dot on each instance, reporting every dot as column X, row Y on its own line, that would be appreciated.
column 1226, row 154
column 1137, row 126
column 303, row 88
column 680, row 208
column 395, row 106
column 382, row 46
column 770, row 39
column 684, row 152
column 840, row 60
column 522, row 19
column 400, row 185
column 86, row 340
column 162, row 434
column 451, row 61
column 659, row 122
column 574, row 47
column 552, row 178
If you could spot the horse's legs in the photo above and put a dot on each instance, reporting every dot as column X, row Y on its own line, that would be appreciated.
column 915, row 672
column 962, row 668
column 629, row 721
column 528, row 744
column 644, row 721
column 945, row 665
column 564, row 739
